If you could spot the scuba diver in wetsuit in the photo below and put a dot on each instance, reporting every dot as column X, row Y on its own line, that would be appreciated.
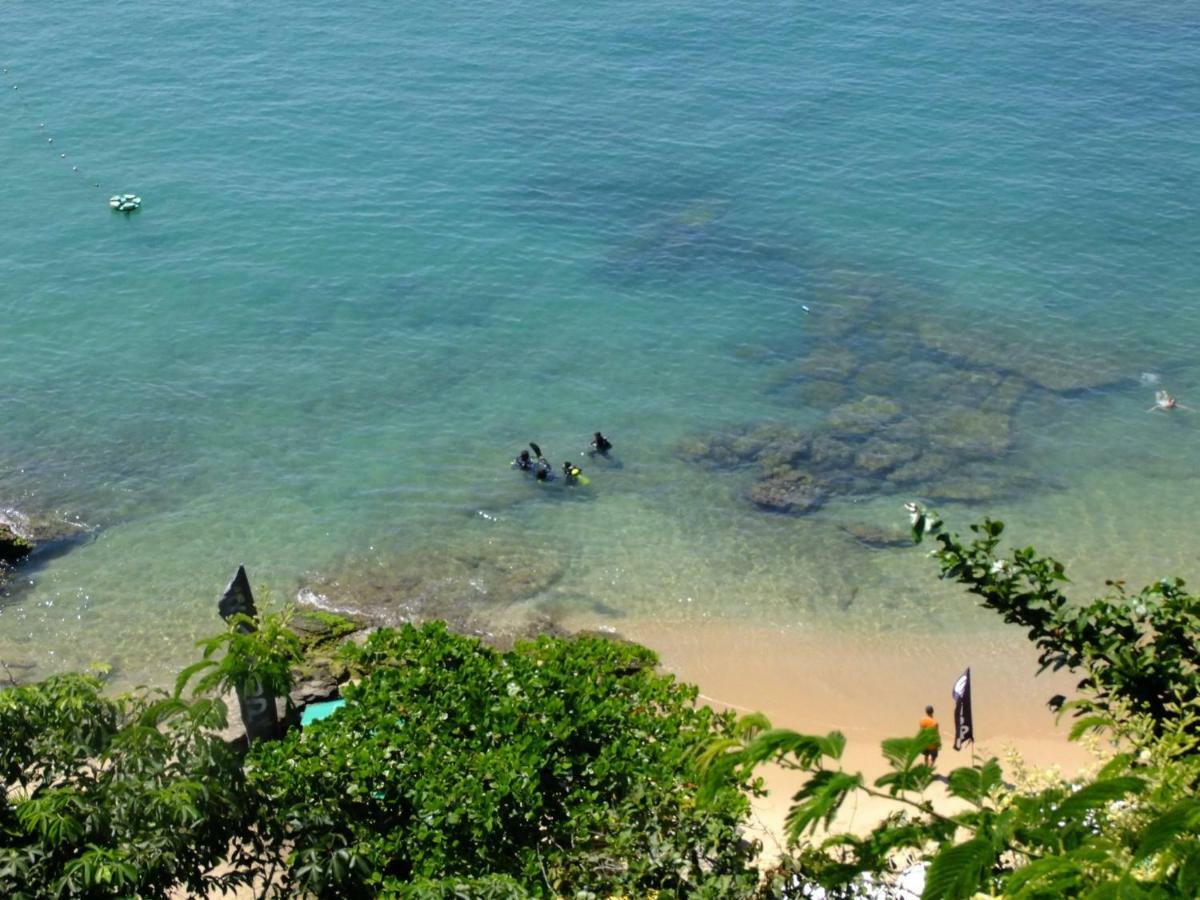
column 573, row 474
column 542, row 470
column 600, row 444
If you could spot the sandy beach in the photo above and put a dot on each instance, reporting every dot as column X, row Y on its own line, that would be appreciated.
column 869, row 688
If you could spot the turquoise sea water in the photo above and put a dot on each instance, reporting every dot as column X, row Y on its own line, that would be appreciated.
column 382, row 247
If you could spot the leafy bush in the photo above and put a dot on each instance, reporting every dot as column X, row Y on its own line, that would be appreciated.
column 562, row 767
column 120, row 797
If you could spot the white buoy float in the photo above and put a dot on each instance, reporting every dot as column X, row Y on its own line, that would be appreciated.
column 124, row 202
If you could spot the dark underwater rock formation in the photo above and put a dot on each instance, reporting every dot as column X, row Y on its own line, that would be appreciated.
column 914, row 402
column 877, row 537
column 483, row 596
column 794, row 492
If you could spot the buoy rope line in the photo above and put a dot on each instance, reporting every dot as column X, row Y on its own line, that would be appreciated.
column 124, row 202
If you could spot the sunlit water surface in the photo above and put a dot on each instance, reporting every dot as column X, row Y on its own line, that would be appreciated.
column 382, row 248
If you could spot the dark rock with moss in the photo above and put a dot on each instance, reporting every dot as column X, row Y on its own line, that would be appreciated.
column 826, row 363
column 926, row 467
column 795, row 493
column 878, row 378
column 877, row 537
column 713, row 451
column 319, row 627
column 44, row 536
column 1040, row 360
column 916, row 404
column 316, row 682
column 13, row 547
column 878, row 455
column 827, row 452
column 972, row 432
column 862, row 417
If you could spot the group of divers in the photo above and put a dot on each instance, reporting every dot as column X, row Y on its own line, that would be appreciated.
column 539, row 468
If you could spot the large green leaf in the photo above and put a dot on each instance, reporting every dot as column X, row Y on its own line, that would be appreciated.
column 832, row 745
column 1183, row 818
column 1124, row 888
column 967, row 784
column 915, row 779
column 956, row 873
column 781, row 742
column 901, row 753
column 1188, row 879
column 1055, row 876
column 1097, row 794
column 974, row 783
column 818, row 801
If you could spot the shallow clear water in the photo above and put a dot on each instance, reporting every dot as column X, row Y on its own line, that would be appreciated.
column 382, row 249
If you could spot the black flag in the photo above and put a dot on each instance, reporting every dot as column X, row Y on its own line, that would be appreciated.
column 256, row 702
column 964, row 724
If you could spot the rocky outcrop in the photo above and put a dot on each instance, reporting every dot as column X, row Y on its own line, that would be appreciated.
column 23, row 535
column 13, row 547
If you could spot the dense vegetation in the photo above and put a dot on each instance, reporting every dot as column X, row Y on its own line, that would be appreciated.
column 564, row 767
column 572, row 768
column 120, row 797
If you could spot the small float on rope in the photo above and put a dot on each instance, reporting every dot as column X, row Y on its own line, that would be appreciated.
column 125, row 203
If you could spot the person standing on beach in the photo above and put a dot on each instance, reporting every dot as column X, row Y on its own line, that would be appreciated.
column 931, row 752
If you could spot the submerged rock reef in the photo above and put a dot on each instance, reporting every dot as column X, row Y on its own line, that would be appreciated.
column 484, row 594
column 907, row 404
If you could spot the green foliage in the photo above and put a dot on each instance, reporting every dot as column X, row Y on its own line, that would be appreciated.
column 561, row 767
column 115, row 796
column 265, row 650
column 819, row 800
column 489, row 887
column 336, row 626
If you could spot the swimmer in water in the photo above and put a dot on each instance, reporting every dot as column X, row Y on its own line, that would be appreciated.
column 524, row 461
column 1165, row 402
column 600, row 444
column 573, row 474
column 541, row 469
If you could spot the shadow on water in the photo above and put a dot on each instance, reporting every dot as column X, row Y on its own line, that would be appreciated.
column 53, row 537
column 662, row 226
column 610, row 205
column 698, row 242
